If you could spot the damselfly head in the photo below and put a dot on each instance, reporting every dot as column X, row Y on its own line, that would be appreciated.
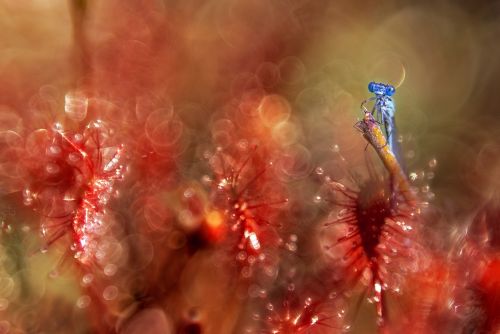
column 381, row 89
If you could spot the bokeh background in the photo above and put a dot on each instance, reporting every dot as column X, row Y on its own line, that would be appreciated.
column 199, row 57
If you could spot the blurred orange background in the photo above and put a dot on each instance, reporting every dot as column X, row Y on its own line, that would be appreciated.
column 315, row 58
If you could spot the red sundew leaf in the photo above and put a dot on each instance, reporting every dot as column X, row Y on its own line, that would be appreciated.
column 302, row 315
column 72, row 182
column 375, row 235
column 241, row 189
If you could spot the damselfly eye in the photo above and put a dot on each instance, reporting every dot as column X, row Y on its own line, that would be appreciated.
column 371, row 86
column 390, row 90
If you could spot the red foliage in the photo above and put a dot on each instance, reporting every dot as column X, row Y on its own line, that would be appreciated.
column 374, row 237
column 246, row 191
column 302, row 315
column 72, row 178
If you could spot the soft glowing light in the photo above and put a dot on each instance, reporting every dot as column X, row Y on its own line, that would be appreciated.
column 214, row 219
column 223, row 183
column 254, row 241
column 76, row 105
